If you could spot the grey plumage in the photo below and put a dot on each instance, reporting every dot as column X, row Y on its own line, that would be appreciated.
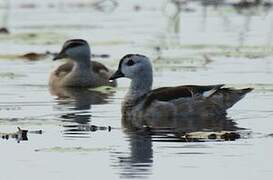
column 144, row 106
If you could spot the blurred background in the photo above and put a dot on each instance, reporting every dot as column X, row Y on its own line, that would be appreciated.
column 81, row 135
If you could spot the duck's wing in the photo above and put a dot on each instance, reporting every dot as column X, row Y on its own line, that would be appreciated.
column 98, row 67
column 171, row 93
column 63, row 69
column 103, row 72
column 226, row 96
column 67, row 67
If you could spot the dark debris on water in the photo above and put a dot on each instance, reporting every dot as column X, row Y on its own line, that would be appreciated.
column 172, row 135
column 34, row 56
column 4, row 30
column 20, row 135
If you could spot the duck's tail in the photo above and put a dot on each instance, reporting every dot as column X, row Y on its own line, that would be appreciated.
column 229, row 96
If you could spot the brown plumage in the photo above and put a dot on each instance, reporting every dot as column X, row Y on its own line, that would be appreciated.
column 79, row 70
column 63, row 69
column 100, row 76
column 67, row 67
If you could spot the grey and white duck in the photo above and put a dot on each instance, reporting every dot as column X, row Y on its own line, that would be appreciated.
column 144, row 106
column 79, row 70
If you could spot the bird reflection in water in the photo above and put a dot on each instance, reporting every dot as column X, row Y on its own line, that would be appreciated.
column 77, row 103
column 138, row 160
column 186, row 128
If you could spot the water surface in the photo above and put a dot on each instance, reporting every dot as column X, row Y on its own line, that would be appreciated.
column 82, row 134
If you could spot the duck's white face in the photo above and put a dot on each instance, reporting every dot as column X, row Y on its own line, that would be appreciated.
column 75, row 49
column 133, row 66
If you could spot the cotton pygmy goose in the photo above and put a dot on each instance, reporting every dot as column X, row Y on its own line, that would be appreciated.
column 79, row 71
column 189, row 100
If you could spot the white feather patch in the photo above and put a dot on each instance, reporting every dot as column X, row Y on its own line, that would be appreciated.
column 209, row 93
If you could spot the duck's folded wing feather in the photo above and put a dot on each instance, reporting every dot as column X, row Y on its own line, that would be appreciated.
column 67, row 67
column 64, row 69
column 103, row 73
column 98, row 67
column 171, row 93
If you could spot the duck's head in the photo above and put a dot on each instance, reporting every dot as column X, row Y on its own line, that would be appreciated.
column 133, row 66
column 74, row 49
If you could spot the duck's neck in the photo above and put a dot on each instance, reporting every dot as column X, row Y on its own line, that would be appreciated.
column 140, row 86
column 82, row 65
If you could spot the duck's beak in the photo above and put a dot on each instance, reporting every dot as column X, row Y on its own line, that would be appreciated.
column 116, row 75
column 60, row 55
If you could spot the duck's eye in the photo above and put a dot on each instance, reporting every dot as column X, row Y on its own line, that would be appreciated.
column 130, row 62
